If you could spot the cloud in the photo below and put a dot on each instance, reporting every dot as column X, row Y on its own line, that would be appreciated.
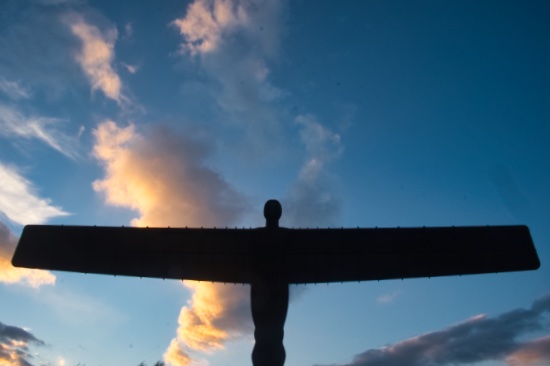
column 163, row 176
column 477, row 339
column 14, row 345
column 12, row 275
column 13, row 123
column 387, row 298
column 19, row 202
column 96, row 56
column 534, row 353
column 132, row 69
column 231, row 42
column 174, row 355
column 206, row 326
column 207, row 22
column 311, row 201
column 13, row 89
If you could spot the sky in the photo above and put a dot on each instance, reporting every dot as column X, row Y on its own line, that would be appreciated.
column 194, row 113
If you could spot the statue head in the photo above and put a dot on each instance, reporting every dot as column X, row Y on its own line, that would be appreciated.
column 272, row 213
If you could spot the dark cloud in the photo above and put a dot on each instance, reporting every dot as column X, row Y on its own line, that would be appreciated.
column 534, row 353
column 477, row 339
column 14, row 345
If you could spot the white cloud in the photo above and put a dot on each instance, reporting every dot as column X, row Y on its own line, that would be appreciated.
column 20, row 203
column 13, row 89
column 96, row 56
column 13, row 123
column 132, row 69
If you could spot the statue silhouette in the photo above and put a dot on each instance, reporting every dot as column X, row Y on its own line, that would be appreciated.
column 272, row 257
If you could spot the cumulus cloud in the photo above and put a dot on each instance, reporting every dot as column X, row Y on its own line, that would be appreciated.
column 20, row 203
column 12, row 275
column 164, row 177
column 96, row 56
column 14, row 345
column 205, row 326
column 311, row 200
column 232, row 42
column 478, row 339
column 14, row 124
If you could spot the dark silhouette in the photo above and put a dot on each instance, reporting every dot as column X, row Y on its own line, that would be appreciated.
column 271, row 258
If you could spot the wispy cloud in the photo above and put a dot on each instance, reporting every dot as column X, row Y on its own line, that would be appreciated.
column 14, row 123
column 19, row 201
column 96, row 56
column 13, row 89
column 14, row 345
column 478, row 339
column 231, row 42
column 312, row 201
column 163, row 176
column 132, row 69
column 12, row 275
column 387, row 298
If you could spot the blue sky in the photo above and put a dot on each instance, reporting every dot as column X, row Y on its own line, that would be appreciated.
column 379, row 113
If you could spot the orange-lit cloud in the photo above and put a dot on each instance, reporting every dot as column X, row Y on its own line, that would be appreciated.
column 207, row 21
column 96, row 56
column 206, row 324
column 163, row 176
column 12, row 275
column 174, row 355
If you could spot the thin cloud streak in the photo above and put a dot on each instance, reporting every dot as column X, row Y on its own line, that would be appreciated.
column 13, row 89
column 14, row 124
column 474, row 340
column 20, row 203
column 13, row 275
column 15, row 345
